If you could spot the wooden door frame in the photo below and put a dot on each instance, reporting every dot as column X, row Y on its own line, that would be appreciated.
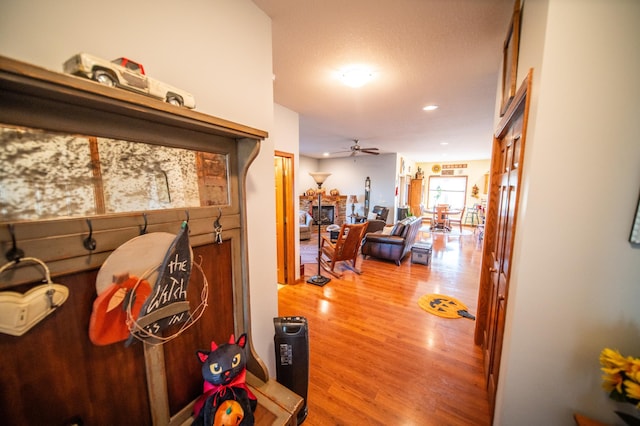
column 519, row 107
column 289, row 219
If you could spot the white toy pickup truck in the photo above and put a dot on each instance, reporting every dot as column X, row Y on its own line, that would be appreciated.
column 127, row 74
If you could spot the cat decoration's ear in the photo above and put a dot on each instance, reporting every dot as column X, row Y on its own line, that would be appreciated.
column 202, row 355
column 232, row 339
column 214, row 346
column 242, row 340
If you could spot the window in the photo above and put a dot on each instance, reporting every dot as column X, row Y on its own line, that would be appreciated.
column 450, row 190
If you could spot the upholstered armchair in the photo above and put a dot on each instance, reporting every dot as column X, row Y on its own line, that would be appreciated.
column 381, row 212
column 305, row 220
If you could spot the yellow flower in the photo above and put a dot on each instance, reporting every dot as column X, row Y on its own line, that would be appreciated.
column 633, row 370
column 633, row 391
column 611, row 382
column 610, row 358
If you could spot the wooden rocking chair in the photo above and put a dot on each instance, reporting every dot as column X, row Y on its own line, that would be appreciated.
column 345, row 249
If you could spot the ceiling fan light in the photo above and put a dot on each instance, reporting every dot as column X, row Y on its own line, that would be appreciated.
column 356, row 77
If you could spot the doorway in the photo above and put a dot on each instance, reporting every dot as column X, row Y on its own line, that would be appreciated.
column 285, row 217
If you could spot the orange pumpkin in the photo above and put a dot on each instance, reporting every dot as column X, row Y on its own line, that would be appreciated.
column 230, row 413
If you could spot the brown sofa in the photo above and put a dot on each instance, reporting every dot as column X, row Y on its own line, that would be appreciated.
column 393, row 246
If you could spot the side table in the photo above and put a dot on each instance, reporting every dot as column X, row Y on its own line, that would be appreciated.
column 357, row 218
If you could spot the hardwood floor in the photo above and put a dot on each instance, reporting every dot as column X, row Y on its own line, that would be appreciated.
column 376, row 358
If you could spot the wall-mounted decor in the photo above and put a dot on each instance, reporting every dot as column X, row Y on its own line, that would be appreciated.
column 436, row 168
column 634, row 238
column 161, row 387
column 367, row 195
column 510, row 59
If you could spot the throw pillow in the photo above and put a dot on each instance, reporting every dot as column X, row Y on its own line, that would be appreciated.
column 397, row 229
column 372, row 216
column 303, row 217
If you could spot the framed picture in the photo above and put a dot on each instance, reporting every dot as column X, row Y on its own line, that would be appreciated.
column 634, row 238
column 510, row 59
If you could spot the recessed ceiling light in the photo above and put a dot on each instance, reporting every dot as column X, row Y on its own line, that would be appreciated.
column 430, row 107
column 356, row 76
column 444, row 143
column 325, row 154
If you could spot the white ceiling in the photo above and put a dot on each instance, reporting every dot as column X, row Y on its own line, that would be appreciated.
column 444, row 52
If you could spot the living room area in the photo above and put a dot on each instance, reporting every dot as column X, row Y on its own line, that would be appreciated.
column 388, row 180
column 366, row 323
column 368, row 327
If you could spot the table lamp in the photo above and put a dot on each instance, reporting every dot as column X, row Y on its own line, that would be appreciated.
column 318, row 279
column 353, row 199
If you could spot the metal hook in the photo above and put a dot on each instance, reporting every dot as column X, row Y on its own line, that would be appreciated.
column 186, row 212
column 14, row 254
column 144, row 229
column 50, row 294
column 89, row 242
column 217, row 228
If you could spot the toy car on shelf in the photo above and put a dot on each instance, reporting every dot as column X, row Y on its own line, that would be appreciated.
column 127, row 74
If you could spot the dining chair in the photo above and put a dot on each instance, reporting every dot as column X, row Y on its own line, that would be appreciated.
column 441, row 218
column 457, row 219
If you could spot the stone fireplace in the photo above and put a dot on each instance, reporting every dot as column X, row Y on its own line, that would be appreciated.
column 327, row 215
column 334, row 208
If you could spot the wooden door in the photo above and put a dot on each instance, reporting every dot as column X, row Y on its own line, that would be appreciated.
column 506, row 174
column 415, row 197
column 285, row 217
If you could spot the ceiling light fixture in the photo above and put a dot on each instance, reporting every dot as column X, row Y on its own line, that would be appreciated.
column 356, row 76
column 430, row 107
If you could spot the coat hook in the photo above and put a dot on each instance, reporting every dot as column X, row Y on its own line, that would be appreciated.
column 89, row 242
column 217, row 228
column 186, row 212
column 14, row 254
column 144, row 229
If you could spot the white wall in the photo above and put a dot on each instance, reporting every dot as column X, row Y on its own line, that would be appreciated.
column 220, row 50
column 285, row 138
column 348, row 175
column 576, row 282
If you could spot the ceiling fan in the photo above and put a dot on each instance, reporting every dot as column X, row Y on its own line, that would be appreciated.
column 356, row 149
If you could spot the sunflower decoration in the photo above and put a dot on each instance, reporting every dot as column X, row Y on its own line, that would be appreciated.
column 621, row 376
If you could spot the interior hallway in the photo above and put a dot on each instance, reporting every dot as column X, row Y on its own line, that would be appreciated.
column 376, row 356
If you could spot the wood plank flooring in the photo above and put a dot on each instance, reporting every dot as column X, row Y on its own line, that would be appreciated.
column 376, row 358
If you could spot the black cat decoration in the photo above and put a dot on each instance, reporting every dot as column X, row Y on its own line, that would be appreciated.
column 226, row 400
